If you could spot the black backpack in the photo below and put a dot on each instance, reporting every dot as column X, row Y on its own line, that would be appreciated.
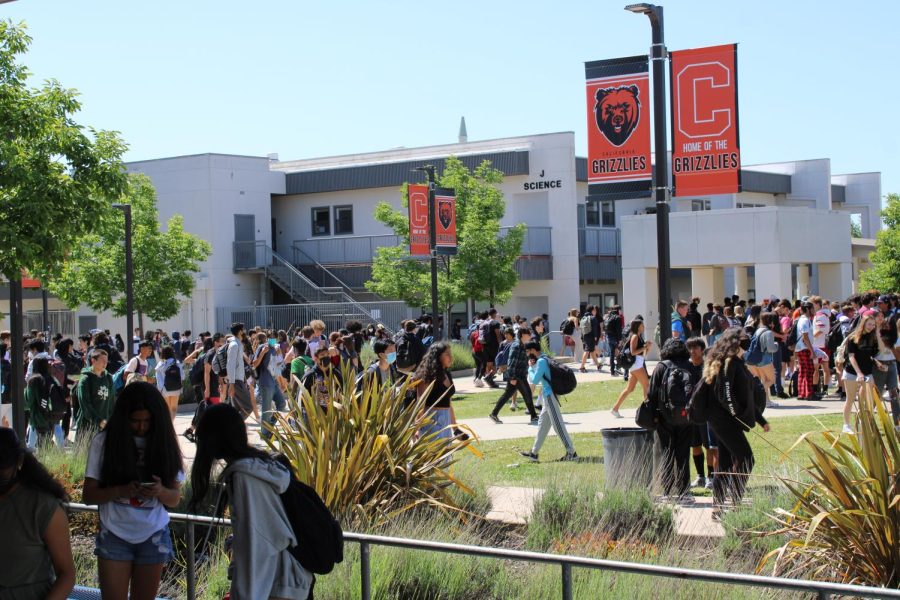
column 195, row 375
column 626, row 359
column 405, row 359
column 53, row 403
column 172, row 378
column 613, row 325
column 220, row 361
column 320, row 540
column 677, row 389
column 835, row 337
column 567, row 327
column 791, row 341
column 562, row 379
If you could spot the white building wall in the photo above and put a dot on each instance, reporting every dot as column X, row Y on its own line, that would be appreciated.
column 862, row 196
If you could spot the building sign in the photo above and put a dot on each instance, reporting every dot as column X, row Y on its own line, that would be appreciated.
column 445, row 221
column 618, row 114
column 706, row 156
column 419, row 238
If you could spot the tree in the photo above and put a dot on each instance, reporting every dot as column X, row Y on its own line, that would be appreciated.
column 855, row 229
column 484, row 267
column 885, row 272
column 55, row 179
column 94, row 272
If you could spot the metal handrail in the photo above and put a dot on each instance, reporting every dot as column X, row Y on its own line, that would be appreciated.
column 565, row 561
column 297, row 250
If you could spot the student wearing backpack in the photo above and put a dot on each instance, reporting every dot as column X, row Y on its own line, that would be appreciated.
column 383, row 371
column 490, row 337
column 45, row 402
column 139, row 363
column 517, row 368
column 96, row 395
column 267, row 390
column 886, row 379
column 718, row 323
column 671, row 385
column 169, row 378
column 761, row 354
column 589, row 325
column 409, row 348
column 478, row 349
column 567, row 328
column 637, row 348
column 262, row 565
column 613, row 327
column 235, row 372
column 729, row 399
column 551, row 414
column 807, row 354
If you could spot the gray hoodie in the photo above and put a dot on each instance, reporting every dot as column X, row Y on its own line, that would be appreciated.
column 261, row 566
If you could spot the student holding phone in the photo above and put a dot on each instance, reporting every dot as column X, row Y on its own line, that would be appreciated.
column 134, row 472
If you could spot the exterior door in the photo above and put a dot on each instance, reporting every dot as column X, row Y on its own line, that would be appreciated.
column 244, row 241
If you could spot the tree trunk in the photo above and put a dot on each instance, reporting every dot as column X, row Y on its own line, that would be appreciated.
column 141, row 322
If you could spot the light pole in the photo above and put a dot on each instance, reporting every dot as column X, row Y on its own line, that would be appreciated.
column 129, row 282
column 658, row 56
column 432, row 242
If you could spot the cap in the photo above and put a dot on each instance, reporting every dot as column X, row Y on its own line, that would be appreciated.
column 10, row 448
column 884, row 298
column 804, row 299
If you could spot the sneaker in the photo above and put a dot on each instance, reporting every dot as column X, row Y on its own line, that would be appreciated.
column 848, row 430
column 582, row 370
column 530, row 456
column 493, row 384
column 513, row 407
column 615, row 373
column 782, row 395
column 772, row 404
column 459, row 433
column 699, row 482
column 534, row 421
column 599, row 368
column 709, row 482
column 495, row 419
column 479, row 383
column 616, row 414
column 569, row 458
column 686, row 498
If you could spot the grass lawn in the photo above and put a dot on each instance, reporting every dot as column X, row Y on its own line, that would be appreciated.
column 502, row 465
column 586, row 397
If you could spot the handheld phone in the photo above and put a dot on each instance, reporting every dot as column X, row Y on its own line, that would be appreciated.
column 148, row 483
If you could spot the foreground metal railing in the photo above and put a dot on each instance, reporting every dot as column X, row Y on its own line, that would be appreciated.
column 823, row 590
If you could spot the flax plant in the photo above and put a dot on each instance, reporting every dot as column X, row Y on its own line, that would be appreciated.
column 844, row 524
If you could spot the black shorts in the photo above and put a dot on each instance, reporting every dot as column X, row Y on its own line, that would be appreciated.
column 490, row 353
column 588, row 343
column 703, row 436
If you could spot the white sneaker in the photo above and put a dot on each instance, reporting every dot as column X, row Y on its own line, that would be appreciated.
column 848, row 430
column 616, row 414
column 479, row 383
column 772, row 404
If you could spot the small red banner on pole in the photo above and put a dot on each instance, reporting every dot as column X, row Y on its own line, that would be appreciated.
column 445, row 221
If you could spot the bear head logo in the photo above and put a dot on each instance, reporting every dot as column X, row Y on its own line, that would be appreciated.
column 617, row 112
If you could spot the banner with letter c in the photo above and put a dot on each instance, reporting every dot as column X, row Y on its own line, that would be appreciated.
column 706, row 156
column 618, row 115
column 419, row 235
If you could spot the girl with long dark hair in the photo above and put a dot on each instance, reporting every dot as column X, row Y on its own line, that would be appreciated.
column 134, row 473
column 36, row 554
column 638, row 371
column 434, row 371
column 261, row 563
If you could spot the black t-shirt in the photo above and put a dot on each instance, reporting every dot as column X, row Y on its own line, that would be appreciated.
column 213, row 378
column 492, row 340
column 889, row 331
column 864, row 354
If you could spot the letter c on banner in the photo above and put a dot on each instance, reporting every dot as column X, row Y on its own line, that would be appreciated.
column 704, row 98
column 418, row 203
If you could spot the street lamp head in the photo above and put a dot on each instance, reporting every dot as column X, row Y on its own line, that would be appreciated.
column 641, row 9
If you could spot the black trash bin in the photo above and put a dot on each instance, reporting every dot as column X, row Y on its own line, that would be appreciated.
column 628, row 457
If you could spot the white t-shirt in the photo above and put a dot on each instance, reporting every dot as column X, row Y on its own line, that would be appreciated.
column 138, row 365
column 132, row 519
column 803, row 326
column 821, row 327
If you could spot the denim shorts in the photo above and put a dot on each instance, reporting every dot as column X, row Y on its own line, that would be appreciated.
column 440, row 423
column 155, row 550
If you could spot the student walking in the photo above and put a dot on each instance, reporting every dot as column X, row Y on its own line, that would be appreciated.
column 134, row 473
column 863, row 345
column 638, row 371
column 551, row 414
column 436, row 383
column 262, row 565
column 169, row 378
column 45, row 401
column 36, row 555
column 517, row 371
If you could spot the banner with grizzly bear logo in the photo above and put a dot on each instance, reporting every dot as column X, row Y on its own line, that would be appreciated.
column 419, row 236
column 445, row 221
column 618, row 164
column 706, row 155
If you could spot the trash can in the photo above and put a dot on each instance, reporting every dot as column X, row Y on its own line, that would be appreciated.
column 628, row 457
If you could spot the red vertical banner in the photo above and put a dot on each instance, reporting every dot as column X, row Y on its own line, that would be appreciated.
column 419, row 237
column 28, row 282
column 618, row 118
column 445, row 221
column 706, row 155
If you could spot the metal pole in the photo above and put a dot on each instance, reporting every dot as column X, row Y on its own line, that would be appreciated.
column 45, row 315
column 566, row 581
column 364, row 571
column 191, row 574
column 16, row 352
column 129, row 285
column 432, row 237
column 658, row 57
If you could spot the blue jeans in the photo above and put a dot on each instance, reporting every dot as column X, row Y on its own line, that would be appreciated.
column 778, row 387
column 265, row 396
column 32, row 437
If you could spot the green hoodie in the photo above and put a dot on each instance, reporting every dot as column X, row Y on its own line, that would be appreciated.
column 96, row 396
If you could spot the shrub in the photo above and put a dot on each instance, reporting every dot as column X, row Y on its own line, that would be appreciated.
column 844, row 525
column 462, row 356
column 365, row 456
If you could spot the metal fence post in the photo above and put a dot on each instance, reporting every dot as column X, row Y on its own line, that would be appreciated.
column 191, row 574
column 364, row 571
column 566, row 581
column 823, row 595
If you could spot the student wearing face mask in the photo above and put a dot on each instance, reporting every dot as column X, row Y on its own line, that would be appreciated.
column 323, row 381
column 383, row 370
column 36, row 556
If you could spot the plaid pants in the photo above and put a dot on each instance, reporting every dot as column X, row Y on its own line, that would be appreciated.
column 805, row 371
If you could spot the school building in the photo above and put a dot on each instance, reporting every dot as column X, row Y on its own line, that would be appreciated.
column 294, row 239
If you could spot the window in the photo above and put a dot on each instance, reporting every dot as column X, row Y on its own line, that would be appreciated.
column 698, row 205
column 749, row 205
column 343, row 220
column 592, row 213
column 321, row 223
column 610, row 300
column 608, row 214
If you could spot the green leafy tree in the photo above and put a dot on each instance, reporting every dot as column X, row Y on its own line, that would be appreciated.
column 94, row 272
column 57, row 179
column 885, row 272
column 484, row 267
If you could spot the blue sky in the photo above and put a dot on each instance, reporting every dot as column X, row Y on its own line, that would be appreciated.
column 816, row 79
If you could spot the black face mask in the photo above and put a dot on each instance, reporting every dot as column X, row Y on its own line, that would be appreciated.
column 325, row 363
